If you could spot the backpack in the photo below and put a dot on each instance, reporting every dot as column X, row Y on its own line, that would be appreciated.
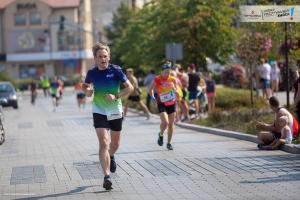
column 295, row 127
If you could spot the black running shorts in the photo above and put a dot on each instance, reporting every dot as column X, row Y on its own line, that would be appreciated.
column 168, row 109
column 134, row 98
column 100, row 121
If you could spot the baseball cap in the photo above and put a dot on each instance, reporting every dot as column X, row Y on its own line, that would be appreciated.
column 166, row 66
column 192, row 66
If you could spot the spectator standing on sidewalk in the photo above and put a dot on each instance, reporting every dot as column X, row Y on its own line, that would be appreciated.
column 106, row 79
column 269, row 132
column 275, row 77
column 193, row 89
column 184, row 79
column 135, row 95
column 211, row 91
column 265, row 75
column 147, row 82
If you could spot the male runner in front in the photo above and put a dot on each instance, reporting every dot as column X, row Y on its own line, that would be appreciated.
column 106, row 80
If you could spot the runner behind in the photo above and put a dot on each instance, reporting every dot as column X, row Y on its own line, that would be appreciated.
column 80, row 95
column 54, row 92
column 135, row 96
column 166, row 88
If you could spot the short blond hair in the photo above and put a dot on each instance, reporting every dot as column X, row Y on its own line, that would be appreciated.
column 284, row 119
column 99, row 46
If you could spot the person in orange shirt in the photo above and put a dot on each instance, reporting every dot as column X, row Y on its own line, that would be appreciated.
column 166, row 87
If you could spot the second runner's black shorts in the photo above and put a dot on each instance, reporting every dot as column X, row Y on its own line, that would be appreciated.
column 168, row 109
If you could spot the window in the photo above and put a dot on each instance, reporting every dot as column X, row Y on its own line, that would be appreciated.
column 20, row 19
column 67, row 40
column 35, row 18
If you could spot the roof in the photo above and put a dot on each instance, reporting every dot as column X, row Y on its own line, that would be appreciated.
column 62, row 3
column 51, row 3
column 4, row 3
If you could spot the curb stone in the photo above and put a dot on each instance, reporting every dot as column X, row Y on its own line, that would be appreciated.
column 289, row 148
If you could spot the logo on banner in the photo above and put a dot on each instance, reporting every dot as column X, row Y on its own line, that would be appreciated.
column 270, row 13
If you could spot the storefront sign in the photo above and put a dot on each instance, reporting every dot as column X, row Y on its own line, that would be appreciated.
column 270, row 13
column 26, row 6
column 28, row 41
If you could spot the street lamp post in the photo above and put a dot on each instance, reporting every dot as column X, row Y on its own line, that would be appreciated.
column 286, row 52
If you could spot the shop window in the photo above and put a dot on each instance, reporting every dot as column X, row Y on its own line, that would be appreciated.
column 35, row 18
column 31, row 70
column 20, row 19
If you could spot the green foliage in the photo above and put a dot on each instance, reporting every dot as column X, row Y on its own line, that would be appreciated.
column 203, row 27
column 231, row 99
column 217, row 78
column 5, row 77
column 233, row 76
column 273, row 29
column 23, row 84
column 243, row 120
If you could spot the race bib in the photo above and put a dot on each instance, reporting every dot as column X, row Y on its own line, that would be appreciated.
column 113, row 113
column 167, row 96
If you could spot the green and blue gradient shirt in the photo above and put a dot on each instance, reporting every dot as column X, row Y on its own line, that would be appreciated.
column 106, row 81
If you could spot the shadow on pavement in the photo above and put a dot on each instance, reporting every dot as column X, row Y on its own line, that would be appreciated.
column 71, row 192
column 130, row 152
column 278, row 179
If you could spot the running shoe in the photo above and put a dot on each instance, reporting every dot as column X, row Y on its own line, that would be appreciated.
column 160, row 140
column 107, row 183
column 184, row 119
column 260, row 146
column 113, row 165
column 169, row 146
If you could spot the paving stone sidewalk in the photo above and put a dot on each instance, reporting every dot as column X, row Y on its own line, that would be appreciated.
column 54, row 155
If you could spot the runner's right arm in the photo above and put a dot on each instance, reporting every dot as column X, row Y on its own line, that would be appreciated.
column 151, row 91
column 86, row 87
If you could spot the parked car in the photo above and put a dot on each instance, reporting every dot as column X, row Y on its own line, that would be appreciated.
column 2, row 132
column 8, row 95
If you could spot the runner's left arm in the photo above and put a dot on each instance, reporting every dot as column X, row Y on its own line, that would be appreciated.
column 128, row 88
column 175, row 87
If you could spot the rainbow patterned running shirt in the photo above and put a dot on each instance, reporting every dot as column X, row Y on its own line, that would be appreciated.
column 106, row 81
column 164, row 86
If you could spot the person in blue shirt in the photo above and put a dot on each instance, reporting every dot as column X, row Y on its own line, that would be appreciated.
column 104, row 81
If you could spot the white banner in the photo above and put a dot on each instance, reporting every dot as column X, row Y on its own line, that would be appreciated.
column 270, row 13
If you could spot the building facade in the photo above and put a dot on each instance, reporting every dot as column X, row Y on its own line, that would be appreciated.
column 103, row 11
column 45, row 37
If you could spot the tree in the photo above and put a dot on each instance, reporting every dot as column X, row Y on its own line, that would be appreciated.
column 116, row 30
column 251, row 47
column 202, row 26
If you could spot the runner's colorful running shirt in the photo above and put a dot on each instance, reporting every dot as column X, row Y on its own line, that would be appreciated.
column 54, row 87
column 104, row 82
column 165, row 89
